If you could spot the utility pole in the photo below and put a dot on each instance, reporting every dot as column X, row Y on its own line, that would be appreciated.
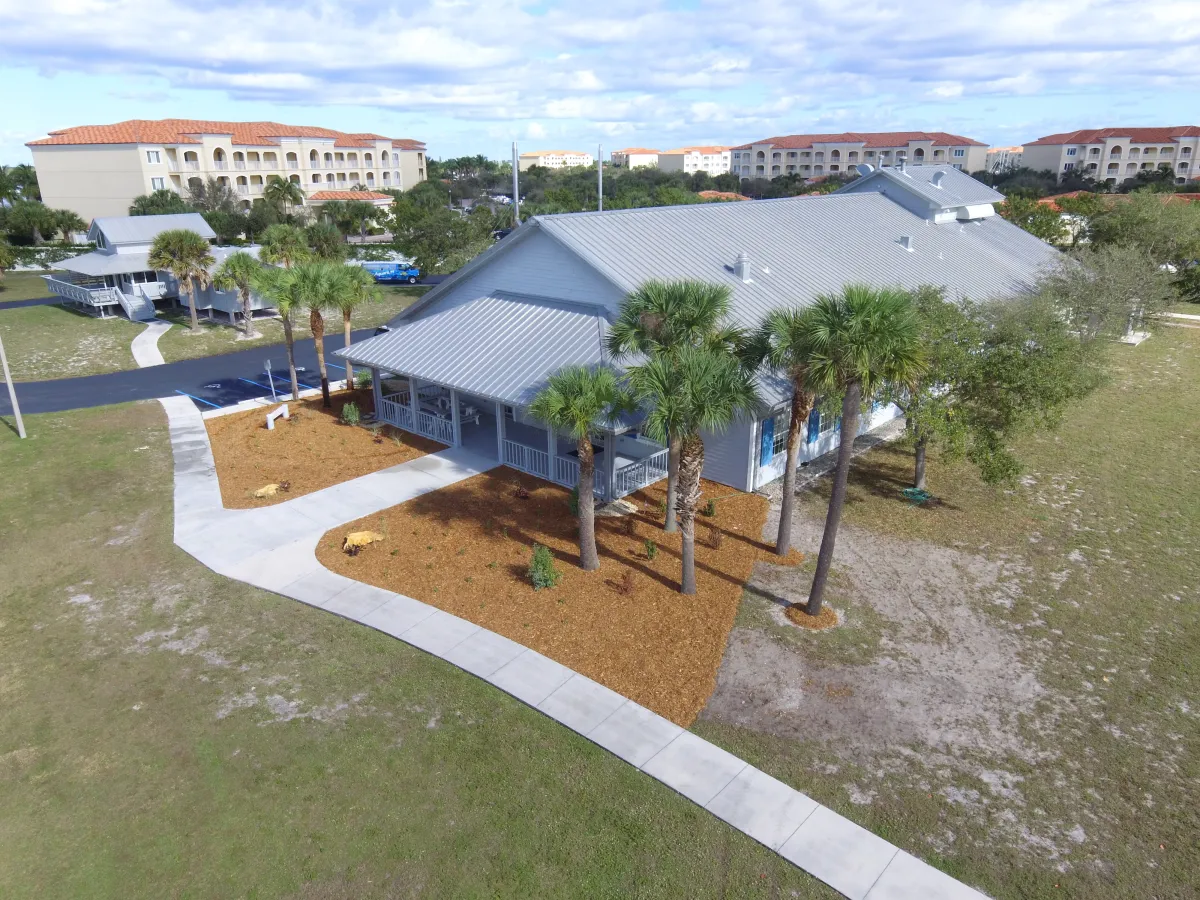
column 12, row 392
column 600, row 174
column 516, row 190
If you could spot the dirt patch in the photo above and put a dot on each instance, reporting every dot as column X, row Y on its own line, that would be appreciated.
column 826, row 618
column 943, row 676
column 466, row 549
column 310, row 451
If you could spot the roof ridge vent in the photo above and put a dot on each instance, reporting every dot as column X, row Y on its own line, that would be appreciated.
column 936, row 180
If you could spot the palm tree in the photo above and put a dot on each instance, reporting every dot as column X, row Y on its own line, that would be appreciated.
column 860, row 339
column 26, row 180
column 282, row 194
column 782, row 345
column 691, row 390
column 663, row 317
column 575, row 401
column 279, row 288
column 157, row 203
column 187, row 256
column 317, row 285
column 325, row 242
column 356, row 287
column 284, row 245
column 68, row 221
column 360, row 212
column 334, row 212
column 213, row 195
column 8, row 259
column 238, row 271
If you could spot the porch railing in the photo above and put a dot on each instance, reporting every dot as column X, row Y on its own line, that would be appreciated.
column 527, row 459
column 640, row 474
column 97, row 296
column 396, row 412
column 439, row 429
column 566, row 471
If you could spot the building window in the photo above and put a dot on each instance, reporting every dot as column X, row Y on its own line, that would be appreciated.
column 1071, row 151
column 1067, row 167
column 153, row 156
column 1095, row 151
column 960, row 152
column 158, row 184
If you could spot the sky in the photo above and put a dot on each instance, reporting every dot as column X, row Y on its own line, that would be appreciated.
column 470, row 77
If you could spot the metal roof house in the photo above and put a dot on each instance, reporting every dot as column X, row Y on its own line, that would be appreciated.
column 117, row 272
column 464, row 362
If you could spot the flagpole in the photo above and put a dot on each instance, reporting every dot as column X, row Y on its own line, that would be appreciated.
column 516, row 190
column 600, row 174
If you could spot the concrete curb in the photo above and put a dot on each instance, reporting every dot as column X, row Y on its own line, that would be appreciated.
column 274, row 548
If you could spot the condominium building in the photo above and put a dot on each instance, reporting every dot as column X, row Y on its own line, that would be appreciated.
column 555, row 159
column 634, row 157
column 713, row 160
column 1117, row 154
column 813, row 155
column 1001, row 158
column 97, row 170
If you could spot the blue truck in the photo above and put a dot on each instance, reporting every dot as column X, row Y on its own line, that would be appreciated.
column 391, row 273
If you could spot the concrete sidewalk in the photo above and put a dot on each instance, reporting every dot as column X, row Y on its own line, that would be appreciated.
column 145, row 346
column 273, row 548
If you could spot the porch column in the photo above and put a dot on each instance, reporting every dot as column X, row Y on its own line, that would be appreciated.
column 610, row 466
column 454, row 417
column 412, row 401
column 551, row 448
column 500, row 431
column 377, row 393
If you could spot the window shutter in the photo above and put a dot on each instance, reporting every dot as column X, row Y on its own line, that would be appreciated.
column 767, row 445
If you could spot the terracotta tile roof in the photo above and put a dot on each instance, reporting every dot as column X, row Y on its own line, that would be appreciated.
column 349, row 195
column 866, row 138
column 1097, row 135
column 628, row 150
column 186, row 131
column 721, row 195
column 697, row 150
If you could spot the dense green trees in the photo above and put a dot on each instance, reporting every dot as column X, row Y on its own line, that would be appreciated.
column 159, row 203
column 187, row 256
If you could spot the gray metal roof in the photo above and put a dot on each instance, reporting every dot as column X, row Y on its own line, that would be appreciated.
column 500, row 346
column 97, row 263
column 144, row 229
column 956, row 188
column 802, row 247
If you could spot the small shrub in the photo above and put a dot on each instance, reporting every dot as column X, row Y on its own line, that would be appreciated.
column 542, row 571
column 573, row 501
column 625, row 586
column 715, row 537
column 519, row 490
column 662, row 507
column 351, row 414
column 630, row 525
column 492, row 564
column 362, row 379
column 651, row 549
column 710, row 508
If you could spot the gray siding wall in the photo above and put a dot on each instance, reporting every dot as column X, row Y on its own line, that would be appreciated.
column 727, row 455
column 539, row 266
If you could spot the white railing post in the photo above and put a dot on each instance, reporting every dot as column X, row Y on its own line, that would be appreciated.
column 500, row 431
column 552, row 449
column 413, row 403
column 456, row 425
column 377, row 393
column 610, row 465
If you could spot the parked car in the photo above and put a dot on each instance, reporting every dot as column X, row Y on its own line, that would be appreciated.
column 392, row 273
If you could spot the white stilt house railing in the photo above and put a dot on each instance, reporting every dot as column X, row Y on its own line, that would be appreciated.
column 640, row 474
column 527, row 459
column 566, row 471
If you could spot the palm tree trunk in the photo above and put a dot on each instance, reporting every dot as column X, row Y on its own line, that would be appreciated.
column 691, row 464
column 291, row 355
column 247, row 314
column 801, row 407
column 191, row 292
column 919, row 465
column 316, row 324
column 837, row 499
column 589, row 559
column 672, row 482
column 349, row 367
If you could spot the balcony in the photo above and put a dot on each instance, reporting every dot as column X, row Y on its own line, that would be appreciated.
column 293, row 164
column 239, row 164
column 86, row 291
column 220, row 164
column 191, row 165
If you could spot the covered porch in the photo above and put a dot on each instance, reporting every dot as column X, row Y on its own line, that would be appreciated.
column 625, row 461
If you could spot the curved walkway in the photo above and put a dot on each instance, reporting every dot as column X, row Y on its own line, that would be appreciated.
column 274, row 548
column 145, row 345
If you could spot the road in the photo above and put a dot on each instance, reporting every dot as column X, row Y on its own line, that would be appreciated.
column 211, row 381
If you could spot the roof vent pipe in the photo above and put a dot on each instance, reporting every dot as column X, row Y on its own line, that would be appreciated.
column 741, row 268
column 936, row 180
column 906, row 242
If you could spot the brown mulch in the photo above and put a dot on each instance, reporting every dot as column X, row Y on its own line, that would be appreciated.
column 311, row 450
column 466, row 549
column 826, row 618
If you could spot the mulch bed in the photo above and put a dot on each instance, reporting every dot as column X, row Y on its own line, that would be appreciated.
column 311, row 450
column 826, row 618
column 466, row 549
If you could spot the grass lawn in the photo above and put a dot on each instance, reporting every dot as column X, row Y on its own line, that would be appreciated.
column 167, row 732
column 219, row 337
column 1013, row 696
column 22, row 286
column 46, row 342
